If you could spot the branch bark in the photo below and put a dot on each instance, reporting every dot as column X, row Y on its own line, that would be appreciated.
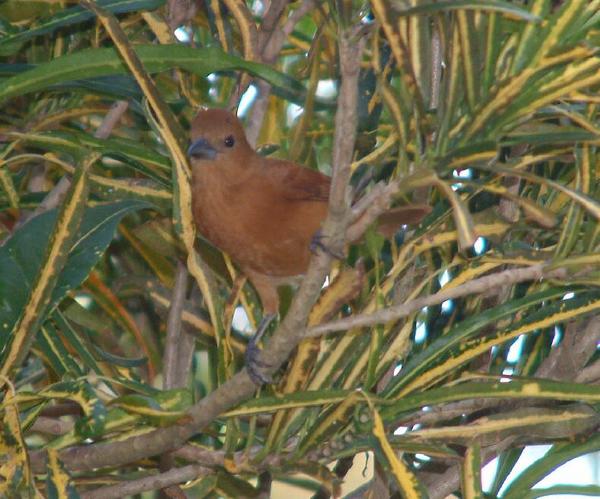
column 271, row 41
column 162, row 480
column 483, row 284
column 174, row 370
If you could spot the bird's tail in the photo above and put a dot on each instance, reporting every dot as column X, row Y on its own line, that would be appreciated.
column 389, row 222
column 392, row 220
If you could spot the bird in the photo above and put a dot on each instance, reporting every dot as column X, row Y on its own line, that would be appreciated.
column 265, row 213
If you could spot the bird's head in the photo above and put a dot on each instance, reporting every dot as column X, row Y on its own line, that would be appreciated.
column 217, row 135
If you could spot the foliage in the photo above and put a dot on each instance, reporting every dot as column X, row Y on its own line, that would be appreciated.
column 487, row 111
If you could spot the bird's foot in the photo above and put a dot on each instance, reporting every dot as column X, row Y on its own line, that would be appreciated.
column 254, row 365
column 317, row 242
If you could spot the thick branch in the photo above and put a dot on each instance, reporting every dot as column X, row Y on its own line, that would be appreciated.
column 565, row 363
column 370, row 207
column 293, row 327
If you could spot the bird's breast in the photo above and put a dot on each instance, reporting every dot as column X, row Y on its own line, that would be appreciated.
column 260, row 230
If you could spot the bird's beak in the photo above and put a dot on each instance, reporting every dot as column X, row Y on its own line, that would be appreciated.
column 201, row 149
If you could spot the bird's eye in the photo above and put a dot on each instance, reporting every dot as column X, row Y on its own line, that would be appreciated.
column 229, row 141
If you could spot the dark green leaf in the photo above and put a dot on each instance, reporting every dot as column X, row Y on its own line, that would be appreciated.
column 91, row 63
column 21, row 256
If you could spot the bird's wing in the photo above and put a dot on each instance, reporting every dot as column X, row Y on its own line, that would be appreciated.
column 297, row 183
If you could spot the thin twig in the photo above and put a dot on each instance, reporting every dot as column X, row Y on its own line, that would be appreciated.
column 483, row 284
column 51, row 426
column 270, row 19
column 171, row 358
column 272, row 38
column 186, row 353
column 154, row 482
column 368, row 208
column 54, row 197
column 180, row 12
column 113, row 116
column 175, row 373
column 436, row 67
column 217, row 458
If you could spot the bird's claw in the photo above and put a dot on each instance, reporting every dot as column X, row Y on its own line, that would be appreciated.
column 254, row 365
column 317, row 243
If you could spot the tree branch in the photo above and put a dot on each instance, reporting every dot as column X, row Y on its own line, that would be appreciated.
column 172, row 359
column 51, row 426
column 271, row 41
column 178, row 354
column 153, row 482
column 180, row 12
column 291, row 330
column 483, row 284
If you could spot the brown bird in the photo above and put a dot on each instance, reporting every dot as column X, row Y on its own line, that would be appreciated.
column 263, row 212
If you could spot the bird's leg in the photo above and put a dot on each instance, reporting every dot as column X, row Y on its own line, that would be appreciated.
column 253, row 364
column 318, row 243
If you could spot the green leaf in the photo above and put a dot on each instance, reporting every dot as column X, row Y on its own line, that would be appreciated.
column 55, row 353
column 15, row 475
column 59, row 484
column 80, row 392
column 506, row 463
column 166, row 407
column 232, row 486
column 290, row 400
column 559, row 454
column 91, row 63
column 205, row 486
column 542, row 389
column 471, row 471
column 62, row 235
column 22, row 254
column 139, row 156
column 507, row 8
column 547, row 134
column 68, row 17
column 69, row 334
column 440, row 348
column 116, row 360
column 566, row 490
